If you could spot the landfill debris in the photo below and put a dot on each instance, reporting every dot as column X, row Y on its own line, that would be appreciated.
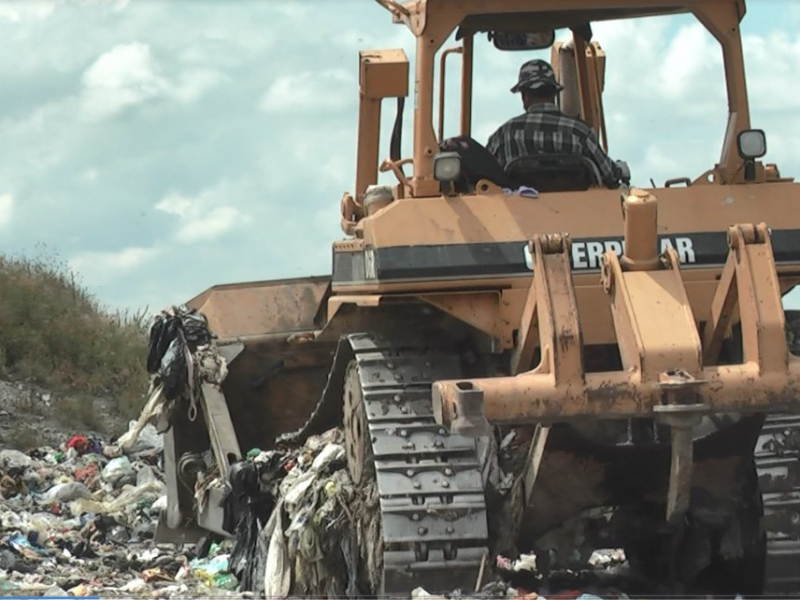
column 79, row 520
column 607, row 557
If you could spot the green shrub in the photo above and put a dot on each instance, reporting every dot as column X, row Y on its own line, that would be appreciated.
column 55, row 334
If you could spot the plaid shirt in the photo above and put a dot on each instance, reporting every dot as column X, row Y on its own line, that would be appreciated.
column 543, row 128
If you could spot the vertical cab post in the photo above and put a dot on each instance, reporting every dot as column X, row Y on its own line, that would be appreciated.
column 583, row 78
column 381, row 74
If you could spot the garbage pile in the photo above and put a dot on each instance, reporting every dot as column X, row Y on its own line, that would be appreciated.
column 295, row 532
column 296, row 535
column 80, row 519
column 521, row 579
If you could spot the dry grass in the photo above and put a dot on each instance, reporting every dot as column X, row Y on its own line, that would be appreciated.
column 55, row 334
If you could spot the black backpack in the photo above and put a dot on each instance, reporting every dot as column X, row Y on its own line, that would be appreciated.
column 476, row 163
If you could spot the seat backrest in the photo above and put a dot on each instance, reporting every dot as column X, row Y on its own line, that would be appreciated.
column 554, row 172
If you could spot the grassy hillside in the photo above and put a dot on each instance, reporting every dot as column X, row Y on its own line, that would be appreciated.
column 55, row 334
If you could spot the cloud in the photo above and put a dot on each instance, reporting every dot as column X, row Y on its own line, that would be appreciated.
column 26, row 9
column 175, row 204
column 6, row 209
column 102, row 267
column 334, row 89
column 129, row 75
column 211, row 226
column 692, row 68
column 203, row 218
column 124, row 76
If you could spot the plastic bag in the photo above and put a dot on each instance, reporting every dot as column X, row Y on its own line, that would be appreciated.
column 134, row 586
column 184, row 323
column 45, row 524
column 127, row 500
column 145, row 475
column 14, row 460
column 142, row 437
column 226, row 581
column 148, row 440
column 195, row 326
column 66, row 492
column 174, row 369
column 164, row 329
column 209, row 569
column 116, row 469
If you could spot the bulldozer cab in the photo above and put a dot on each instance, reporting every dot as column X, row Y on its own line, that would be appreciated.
column 580, row 64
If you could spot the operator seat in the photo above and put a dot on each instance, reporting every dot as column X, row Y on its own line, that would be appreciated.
column 554, row 172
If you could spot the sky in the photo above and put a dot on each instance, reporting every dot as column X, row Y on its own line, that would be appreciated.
column 161, row 147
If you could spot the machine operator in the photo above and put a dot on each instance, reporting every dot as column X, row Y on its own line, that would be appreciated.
column 543, row 128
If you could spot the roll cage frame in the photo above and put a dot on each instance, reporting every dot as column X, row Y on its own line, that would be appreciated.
column 434, row 21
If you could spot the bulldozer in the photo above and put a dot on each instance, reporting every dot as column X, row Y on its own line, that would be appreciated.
column 632, row 340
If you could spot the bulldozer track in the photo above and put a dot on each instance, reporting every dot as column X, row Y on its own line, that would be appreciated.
column 777, row 458
column 430, row 483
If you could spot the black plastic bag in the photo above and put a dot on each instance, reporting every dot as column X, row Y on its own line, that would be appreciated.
column 191, row 325
column 174, row 371
column 195, row 328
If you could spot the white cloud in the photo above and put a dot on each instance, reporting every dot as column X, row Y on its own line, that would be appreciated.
column 99, row 267
column 773, row 66
column 332, row 89
column 24, row 9
column 128, row 75
column 205, row 217
column 6, row 209
column 692, row 67
column 211, row 226
column 669, row 120
column 175, row 204
column 124, row 76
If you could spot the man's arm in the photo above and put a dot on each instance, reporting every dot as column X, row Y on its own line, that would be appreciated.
column 610, row 172
column 495, row 146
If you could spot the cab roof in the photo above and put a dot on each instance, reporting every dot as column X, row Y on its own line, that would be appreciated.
column 532, row 16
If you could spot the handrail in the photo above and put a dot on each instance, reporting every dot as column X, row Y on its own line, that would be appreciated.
column 442, row 71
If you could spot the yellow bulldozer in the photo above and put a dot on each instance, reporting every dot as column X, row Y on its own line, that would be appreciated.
column 633, row 339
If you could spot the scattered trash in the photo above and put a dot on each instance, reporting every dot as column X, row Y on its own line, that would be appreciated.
column 607, row 557
column 116, row 469
column 66, row 492
column 14, row 460
column 134, row 586
column 79, row 520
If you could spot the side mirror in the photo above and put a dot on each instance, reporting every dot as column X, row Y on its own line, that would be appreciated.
column 506, row 40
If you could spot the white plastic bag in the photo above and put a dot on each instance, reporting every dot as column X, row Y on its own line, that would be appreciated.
column 66, row 492
column 116, row 469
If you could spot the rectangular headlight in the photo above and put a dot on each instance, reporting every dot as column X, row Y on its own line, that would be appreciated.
column 752, row 144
